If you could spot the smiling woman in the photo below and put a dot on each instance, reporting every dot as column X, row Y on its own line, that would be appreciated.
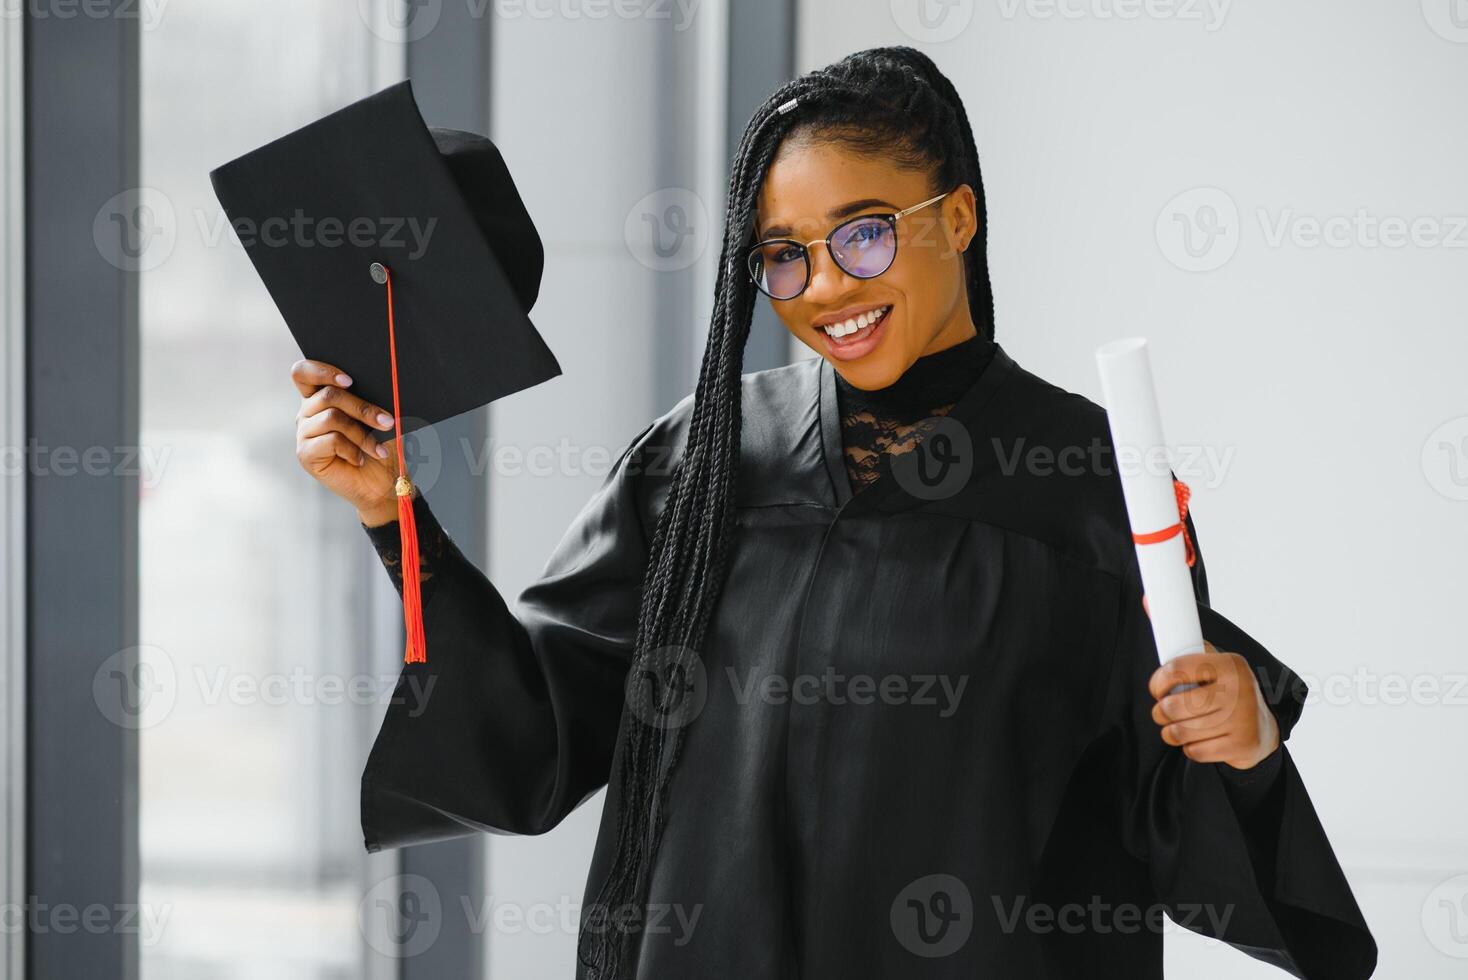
column 918, row 303
column 674, row 645
column 889, row 285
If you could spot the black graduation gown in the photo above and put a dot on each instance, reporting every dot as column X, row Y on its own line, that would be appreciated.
column 922, row 744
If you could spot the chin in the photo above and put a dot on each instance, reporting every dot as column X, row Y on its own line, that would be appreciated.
column 869, row 373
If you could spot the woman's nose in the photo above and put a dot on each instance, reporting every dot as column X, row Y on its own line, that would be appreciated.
column 827, row 279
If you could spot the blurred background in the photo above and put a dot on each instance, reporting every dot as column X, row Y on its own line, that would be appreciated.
column 1273, row 194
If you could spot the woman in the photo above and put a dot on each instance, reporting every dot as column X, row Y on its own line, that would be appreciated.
column 867, row 672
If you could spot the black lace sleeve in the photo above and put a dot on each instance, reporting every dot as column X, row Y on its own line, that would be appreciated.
column 387, row 539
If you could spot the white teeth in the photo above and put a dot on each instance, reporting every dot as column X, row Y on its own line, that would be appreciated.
column 855, row 323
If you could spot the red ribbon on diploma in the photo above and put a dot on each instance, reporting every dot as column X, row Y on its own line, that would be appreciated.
column 1153, row 537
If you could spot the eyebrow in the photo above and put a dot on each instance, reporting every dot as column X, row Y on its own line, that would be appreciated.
column 836, row 213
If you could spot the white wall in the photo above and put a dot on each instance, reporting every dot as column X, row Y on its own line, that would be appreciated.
column 1337, row 533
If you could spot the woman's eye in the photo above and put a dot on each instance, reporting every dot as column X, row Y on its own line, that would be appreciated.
column 788, row 254
column 864, row 233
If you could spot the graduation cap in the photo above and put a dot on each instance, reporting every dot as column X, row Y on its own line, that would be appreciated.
column 402, row 255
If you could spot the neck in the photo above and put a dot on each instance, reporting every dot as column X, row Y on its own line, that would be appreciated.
column 933, row 380
column 960, row 327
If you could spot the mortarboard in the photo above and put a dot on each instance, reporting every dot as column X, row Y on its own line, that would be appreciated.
column 403, row 255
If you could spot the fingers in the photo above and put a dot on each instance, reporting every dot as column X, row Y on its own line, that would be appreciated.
column 1190, row 668
column 330, row 396
column 1195, row 705
column 1219, row 749
column 317, row 452
column 310, row 375
column 1183, row 734
column 1211, row 722
column 334, row 419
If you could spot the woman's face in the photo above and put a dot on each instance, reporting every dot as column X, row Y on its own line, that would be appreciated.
column 812, row 187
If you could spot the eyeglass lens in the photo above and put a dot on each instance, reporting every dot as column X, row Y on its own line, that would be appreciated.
column 863, row 248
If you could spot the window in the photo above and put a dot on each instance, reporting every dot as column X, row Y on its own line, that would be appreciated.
column 255, row 583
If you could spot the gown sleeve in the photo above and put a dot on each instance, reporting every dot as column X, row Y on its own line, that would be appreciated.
column 1247, row 846
column 432, row 540
column 511, row 723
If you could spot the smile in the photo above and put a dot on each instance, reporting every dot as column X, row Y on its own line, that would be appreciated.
column 861, row 321
column 857, row 336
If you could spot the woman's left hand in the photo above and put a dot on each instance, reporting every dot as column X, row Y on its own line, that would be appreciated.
column 1224, row 719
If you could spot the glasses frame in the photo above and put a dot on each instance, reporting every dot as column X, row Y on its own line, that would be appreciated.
column 891, row 219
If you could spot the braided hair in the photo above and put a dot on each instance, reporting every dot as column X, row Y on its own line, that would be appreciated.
column 890, row 101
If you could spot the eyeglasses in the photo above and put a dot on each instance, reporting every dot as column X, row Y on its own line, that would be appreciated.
column 864, row 247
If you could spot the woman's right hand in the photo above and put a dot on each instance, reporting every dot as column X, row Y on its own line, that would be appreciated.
column 334, row 445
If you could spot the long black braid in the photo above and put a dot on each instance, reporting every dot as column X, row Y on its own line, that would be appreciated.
column 892, row 102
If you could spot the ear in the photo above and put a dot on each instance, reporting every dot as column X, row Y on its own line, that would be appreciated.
column 960, row 213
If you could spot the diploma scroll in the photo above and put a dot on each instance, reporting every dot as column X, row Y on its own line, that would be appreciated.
column 1151, row 500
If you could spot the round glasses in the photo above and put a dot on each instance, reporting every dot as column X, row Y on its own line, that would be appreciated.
column 864, row 247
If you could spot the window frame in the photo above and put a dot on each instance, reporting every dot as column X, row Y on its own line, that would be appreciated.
column 12, row 493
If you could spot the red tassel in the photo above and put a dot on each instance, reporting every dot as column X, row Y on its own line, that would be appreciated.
column 416, row 649
column 1182, row 492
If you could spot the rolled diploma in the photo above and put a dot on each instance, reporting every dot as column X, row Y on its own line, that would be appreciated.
column 1151, row 501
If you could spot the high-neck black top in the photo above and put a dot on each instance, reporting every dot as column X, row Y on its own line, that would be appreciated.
column 886, row 420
